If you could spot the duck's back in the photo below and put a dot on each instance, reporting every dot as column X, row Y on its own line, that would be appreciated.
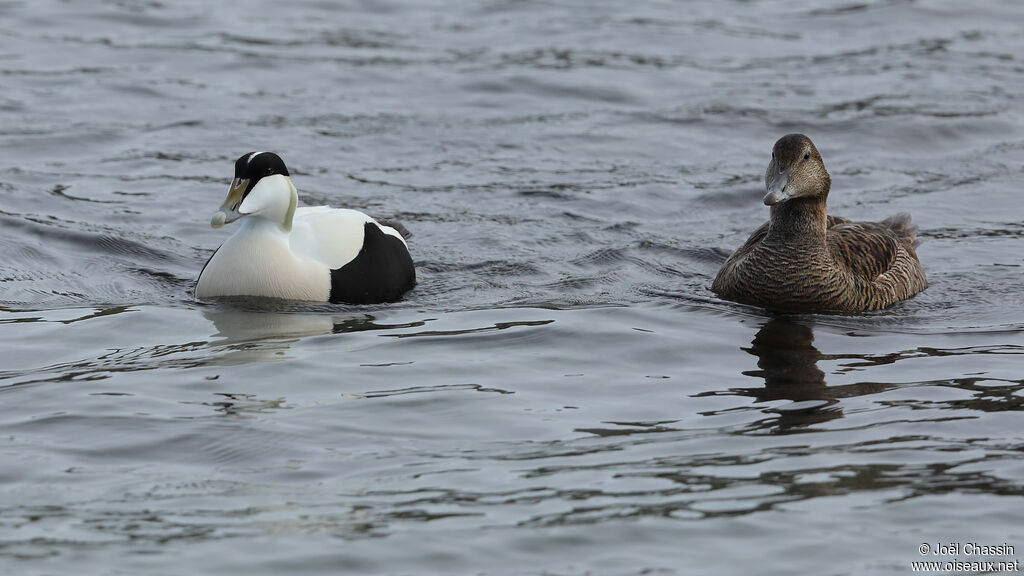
column 332, row 236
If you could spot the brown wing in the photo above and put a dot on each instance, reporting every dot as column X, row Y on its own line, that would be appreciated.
column 726, row 283
column 867, row 249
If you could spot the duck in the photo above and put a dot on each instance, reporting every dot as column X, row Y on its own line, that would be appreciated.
column 805, row 260
column 312, row 253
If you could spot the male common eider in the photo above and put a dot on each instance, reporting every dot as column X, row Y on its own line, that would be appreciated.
column 312, row 253
column 803, row 260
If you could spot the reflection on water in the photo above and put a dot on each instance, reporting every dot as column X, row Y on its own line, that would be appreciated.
column 788, row 362
column 234, row 326
column 251, row 334
column 436, row 435
column 789, row 365
column 231, row 404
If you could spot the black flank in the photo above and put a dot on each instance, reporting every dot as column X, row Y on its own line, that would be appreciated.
column 381, row 272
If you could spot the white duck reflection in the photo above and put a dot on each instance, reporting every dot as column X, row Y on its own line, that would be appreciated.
column 253, row 334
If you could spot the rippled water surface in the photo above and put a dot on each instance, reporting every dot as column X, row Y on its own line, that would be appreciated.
column 561, row 394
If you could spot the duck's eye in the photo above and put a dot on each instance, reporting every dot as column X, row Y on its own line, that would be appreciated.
column 807, row 155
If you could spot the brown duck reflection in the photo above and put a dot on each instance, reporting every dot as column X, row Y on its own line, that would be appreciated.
column 788, row 362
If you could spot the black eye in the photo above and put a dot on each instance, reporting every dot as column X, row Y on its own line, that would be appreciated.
column 807, row 155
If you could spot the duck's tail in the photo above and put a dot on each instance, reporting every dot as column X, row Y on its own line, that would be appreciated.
column 398, row 226
column 904, row 229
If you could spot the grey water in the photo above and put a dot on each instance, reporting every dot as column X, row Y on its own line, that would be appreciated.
column 561, row 394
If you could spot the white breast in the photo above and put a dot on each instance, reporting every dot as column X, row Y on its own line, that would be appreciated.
column 258, row 261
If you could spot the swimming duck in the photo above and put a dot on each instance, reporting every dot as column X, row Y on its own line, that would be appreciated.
column 311, row 253
column 803, row 260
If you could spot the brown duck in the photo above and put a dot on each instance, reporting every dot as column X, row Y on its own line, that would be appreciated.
column 803, row 260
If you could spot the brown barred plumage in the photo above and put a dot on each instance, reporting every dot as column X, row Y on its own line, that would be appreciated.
column 803, row 260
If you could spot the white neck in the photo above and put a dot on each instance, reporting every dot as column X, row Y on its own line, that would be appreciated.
column 262, row 225
column 272, row 199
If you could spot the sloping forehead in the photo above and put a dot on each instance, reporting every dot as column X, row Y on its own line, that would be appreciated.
column 790, row 147
column 255, row 165
column 242, row 162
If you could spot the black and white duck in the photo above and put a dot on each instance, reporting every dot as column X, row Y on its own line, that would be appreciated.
column 310, row 253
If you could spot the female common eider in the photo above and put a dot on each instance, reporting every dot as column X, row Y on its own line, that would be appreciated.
column 803, row 260
column 312, row 253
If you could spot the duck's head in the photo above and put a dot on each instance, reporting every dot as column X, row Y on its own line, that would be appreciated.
column 262, row 187
column 796, row 171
